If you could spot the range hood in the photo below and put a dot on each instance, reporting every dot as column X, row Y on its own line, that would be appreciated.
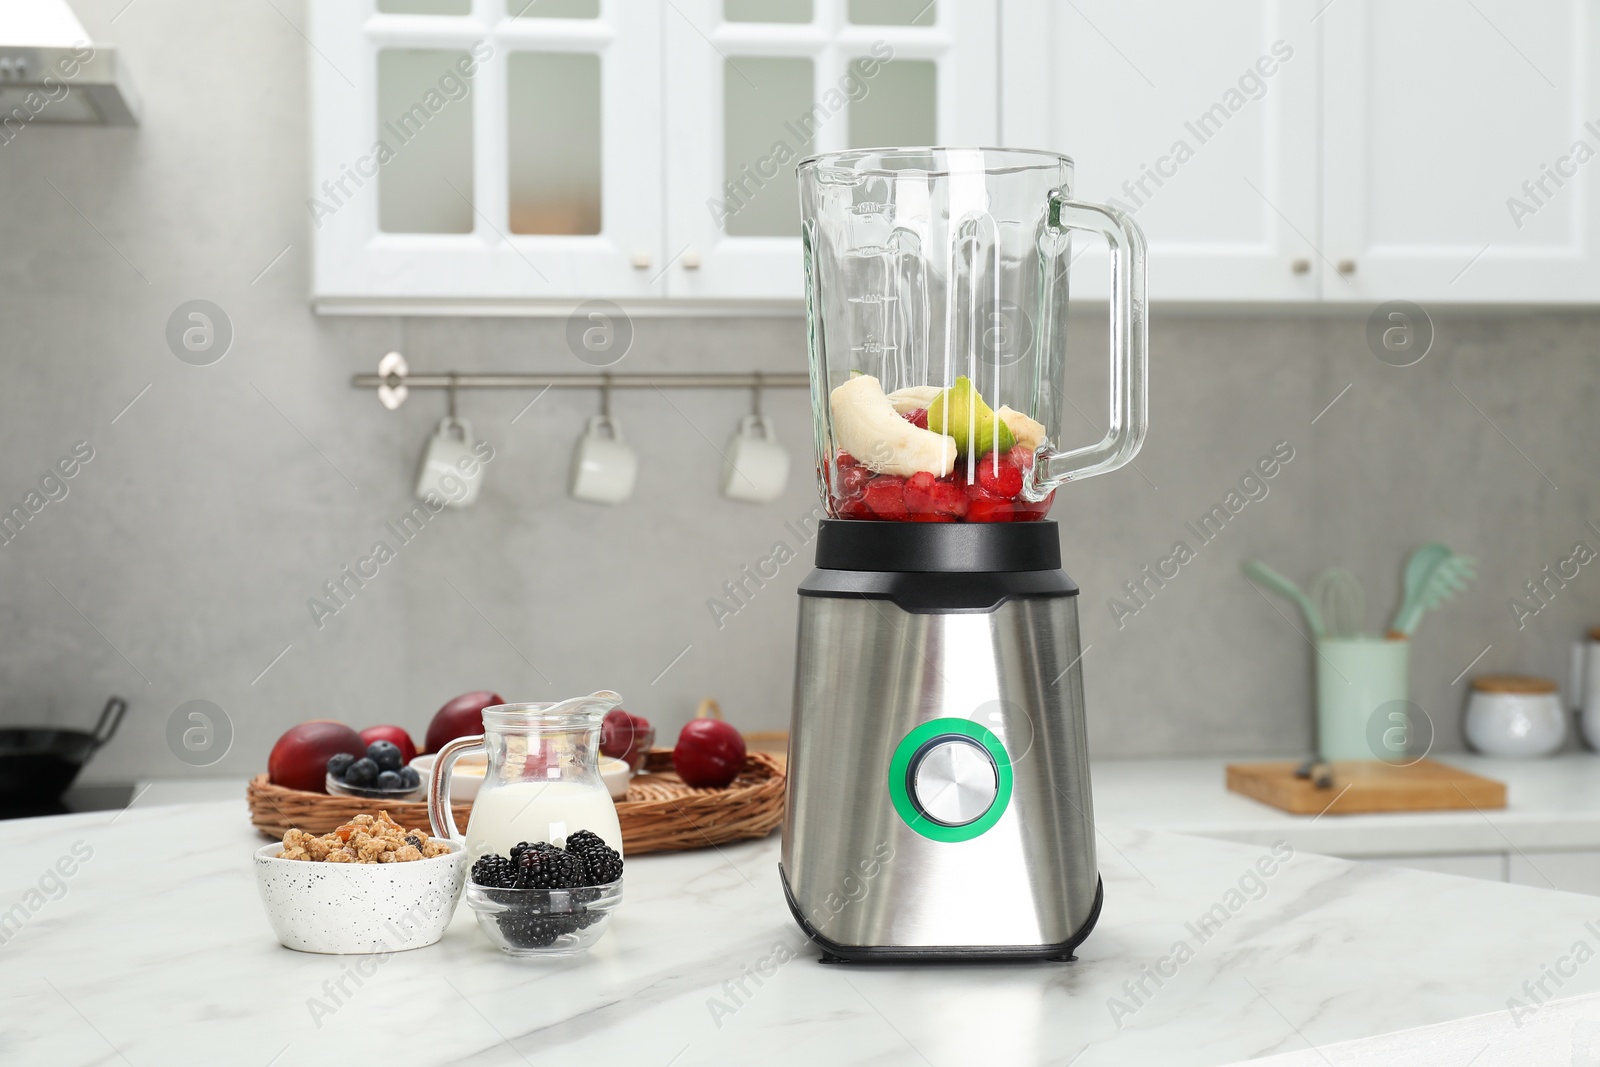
column 51, row 72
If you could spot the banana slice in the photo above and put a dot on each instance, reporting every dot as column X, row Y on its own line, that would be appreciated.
column 1028, row 432
column 866, row 425
column 913, row 397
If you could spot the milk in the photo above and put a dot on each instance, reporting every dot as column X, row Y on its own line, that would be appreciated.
column 503, row 815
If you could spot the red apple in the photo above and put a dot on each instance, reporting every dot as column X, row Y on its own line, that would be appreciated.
column 401, row 739
column 300, row 758
column 626, row 737
column 461, row 717
column 709, row 755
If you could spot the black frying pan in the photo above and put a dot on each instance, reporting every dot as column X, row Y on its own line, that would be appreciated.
column 41, row 763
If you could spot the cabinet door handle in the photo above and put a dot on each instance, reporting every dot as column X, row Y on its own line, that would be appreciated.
column 690, row 259
column 1301, row 265
column 641, row 261
column 1346, row 266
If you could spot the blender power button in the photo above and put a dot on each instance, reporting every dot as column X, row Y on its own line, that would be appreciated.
column 950, row 779
column 953, row 781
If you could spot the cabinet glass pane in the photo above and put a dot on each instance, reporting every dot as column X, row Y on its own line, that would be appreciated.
column 892, row 12
column 900, row 107
column 769, row 125
column 425, row 120
column 553, row 9
column 425, row 7
column 553, row 142
column 766, row 10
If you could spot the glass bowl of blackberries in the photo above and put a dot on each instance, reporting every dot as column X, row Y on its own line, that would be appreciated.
column 547, row 901
column 379, row 775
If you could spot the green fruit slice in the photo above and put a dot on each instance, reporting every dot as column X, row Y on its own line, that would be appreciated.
column 961, row 413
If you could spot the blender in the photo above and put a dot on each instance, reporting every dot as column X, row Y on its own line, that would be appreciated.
column 938, row 795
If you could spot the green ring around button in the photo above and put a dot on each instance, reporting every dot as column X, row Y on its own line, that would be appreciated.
column 899, row 784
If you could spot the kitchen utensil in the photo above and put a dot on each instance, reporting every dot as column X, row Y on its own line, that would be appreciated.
column 1514, row 716
column 351, row 908
column 1367, row 786
column 1433, row 575
column 603, row 466
column 543, row 780
column 936, row 288
column 544, row 923
column 1341, row 601
column 451, row 467
column 40, row 763
column 1265, row 575
column 1361, row 686
column 938, row 727
column 755, row 467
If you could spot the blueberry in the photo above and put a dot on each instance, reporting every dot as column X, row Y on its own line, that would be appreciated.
column 339, row 762
column 409, row 778
column 361, row 772
column 389, row 780
column 386, row 754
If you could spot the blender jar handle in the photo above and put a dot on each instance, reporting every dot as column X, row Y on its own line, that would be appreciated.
column 1129, row 347
column 441, row 817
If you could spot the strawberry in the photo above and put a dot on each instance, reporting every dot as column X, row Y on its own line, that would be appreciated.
column 916, row 417
column 845, row 459
column 999, row 476
column 919, row 493
column 854, row 508
column 1021, row 456
column 851, row 480
column 931, row 518
column 949, row 497
column 886, row 496
column 988, row 509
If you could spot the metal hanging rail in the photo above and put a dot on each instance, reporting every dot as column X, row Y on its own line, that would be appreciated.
column 394, row 379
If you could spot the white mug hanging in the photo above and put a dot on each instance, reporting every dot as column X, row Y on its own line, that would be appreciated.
column 451, row 466
column 603, row 466
column 755, row 467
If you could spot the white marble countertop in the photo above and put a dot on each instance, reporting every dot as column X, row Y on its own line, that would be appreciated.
column 156, row 951
column 1550, row 804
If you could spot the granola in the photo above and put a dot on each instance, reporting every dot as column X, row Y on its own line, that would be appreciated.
column 364, row 839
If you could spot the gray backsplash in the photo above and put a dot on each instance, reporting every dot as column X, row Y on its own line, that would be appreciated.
column 180, row 562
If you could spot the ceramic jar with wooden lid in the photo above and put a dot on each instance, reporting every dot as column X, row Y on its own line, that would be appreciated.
column 1516, row 716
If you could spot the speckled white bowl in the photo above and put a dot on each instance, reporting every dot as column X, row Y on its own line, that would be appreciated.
column 355, row 908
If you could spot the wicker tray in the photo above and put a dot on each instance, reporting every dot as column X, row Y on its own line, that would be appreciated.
column 659, row 814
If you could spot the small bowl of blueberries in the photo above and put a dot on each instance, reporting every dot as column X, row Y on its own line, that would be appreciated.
column 379, row 775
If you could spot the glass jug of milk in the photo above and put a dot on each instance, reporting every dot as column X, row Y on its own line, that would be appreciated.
column 543, row 779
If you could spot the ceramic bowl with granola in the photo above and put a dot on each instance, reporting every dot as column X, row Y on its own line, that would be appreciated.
column 371, row 886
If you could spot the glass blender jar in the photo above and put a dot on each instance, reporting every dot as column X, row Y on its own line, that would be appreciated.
column 936, row 299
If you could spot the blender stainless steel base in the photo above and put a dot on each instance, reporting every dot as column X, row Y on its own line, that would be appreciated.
column 939, row 803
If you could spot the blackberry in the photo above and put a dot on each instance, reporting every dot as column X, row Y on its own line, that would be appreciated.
column 523, row 846
column 526, row 930
column 537, row 869
column 494, row 871
column 601, row 865
column 583, row 841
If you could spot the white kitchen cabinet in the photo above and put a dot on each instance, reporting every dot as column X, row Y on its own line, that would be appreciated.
column 1451, row 166
column 1199, row 120
column 465, row 155
column 1490, row 866
column 519, row 155
column 748, row 99
column 1571, row 872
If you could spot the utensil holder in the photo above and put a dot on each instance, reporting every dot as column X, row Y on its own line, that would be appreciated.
column 1357, row 676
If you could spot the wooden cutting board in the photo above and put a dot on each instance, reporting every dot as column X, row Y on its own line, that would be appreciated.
column 1362, row 786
